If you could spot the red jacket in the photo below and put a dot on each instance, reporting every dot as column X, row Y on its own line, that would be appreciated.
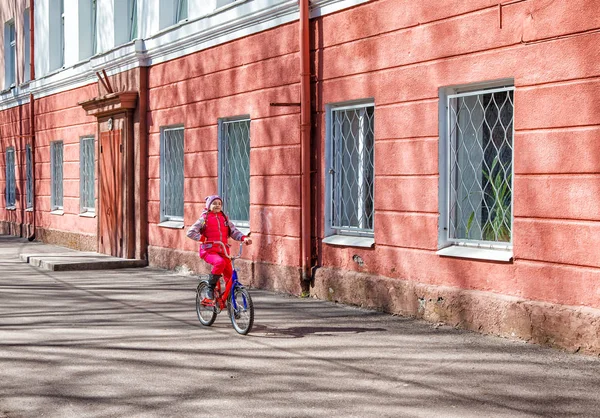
column 214, row 227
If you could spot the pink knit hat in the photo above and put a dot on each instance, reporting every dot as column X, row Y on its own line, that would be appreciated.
column 211, row 199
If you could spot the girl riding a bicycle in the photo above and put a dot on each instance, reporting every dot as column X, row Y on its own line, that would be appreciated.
column 214, row 226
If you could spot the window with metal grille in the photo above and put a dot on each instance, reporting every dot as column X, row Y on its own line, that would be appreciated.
column 29, row 177
column 11, row 184
column 479, row 182
column 171, row 174
column 56, row 175
column 234, row 170
column 87, row 175
column 350, row 166
column 10, row 54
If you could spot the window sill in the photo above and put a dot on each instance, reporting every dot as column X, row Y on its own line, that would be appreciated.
column 457, row 251
column 11, row 208
column 171, row 224
column 350, row 241
column 59, row 212
column 88, row 214
column 29, row 210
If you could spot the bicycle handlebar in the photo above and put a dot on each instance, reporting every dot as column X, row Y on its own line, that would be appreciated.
column 234, row 257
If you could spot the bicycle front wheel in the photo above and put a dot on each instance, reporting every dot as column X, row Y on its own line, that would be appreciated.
column 206, row 313
column 241, row 310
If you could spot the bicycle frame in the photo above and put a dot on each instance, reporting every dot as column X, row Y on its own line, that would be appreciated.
column 220, row 300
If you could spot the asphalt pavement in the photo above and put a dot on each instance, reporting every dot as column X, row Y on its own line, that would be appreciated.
column 127, row 343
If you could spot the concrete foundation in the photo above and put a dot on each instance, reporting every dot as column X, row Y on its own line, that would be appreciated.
column 279, row 278
column 568, row 327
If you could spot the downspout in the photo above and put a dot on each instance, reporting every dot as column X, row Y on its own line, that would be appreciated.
column 31, row 236
column 305, row 110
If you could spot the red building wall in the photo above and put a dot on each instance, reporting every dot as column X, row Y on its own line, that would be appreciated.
column 401, row 53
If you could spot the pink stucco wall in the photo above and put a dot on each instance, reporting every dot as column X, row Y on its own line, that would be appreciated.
column 402, row 59
column 399, row 52
column 59, row 118
column 238, row 78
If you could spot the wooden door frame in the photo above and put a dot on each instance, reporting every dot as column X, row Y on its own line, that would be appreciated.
column 119, row 105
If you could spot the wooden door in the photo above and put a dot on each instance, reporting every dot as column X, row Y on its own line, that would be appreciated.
column 111, row 188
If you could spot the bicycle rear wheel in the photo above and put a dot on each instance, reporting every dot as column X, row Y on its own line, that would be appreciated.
column 242, row 315
column 206, row 313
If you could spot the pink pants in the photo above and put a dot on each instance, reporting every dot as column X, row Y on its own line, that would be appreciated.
column 221, row 264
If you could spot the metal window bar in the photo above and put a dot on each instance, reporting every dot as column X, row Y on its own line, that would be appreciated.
column 480, row 154
column 133, row 20
column 87, row 175
column 172, row 175
column 235, row 170
column 29, row 177
column 182, row 10
column 57, row 175
column 11, row 184
column 353, row 170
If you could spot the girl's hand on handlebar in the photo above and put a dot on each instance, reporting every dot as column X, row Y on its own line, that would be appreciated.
column 247, row 241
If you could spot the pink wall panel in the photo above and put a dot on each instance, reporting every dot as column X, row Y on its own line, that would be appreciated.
column 406, row 194
column 264, row 74
column 275, row 190
column 407, row 120
column 410, row 230
column 566, row 242
column 406, row 157
column 275, row 160
column 558, row 196
column 275, row 220
column 247, row 50
column 570, row 150
column 274, row 131
column 574, row 103
column 390, row 15
column 374, row 53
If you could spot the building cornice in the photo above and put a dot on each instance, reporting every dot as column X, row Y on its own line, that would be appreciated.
column 225, row 25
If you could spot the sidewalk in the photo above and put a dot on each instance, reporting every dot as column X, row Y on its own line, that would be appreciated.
column 126, row 343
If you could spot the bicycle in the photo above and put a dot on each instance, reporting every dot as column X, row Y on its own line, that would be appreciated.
column 236, row 299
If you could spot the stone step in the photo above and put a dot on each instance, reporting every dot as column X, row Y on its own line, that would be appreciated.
column 69, row 260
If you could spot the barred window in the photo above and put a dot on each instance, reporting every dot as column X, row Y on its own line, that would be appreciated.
column 56, row 174
column 350, row 165
column 234, row 173
column 479, row 182
column 11, row 184
column 87, row 174
column 29, row 177
column 171, row 174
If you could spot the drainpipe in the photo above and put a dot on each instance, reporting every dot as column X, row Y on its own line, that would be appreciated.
column 31, row 236
column 305, row 138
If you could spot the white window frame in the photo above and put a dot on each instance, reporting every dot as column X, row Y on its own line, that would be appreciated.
column 10, row 54
column 170, row 220
column 89, row 168
column 55, row 205
column 11, row 181
column 498, row 251
column 242, row 224
column 334, row 235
